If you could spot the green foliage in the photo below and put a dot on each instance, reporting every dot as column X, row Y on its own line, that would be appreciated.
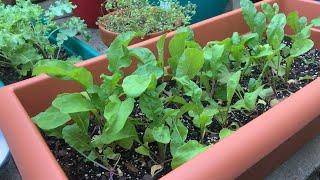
column 142, row 16
column 25, row 29
column 154, row 108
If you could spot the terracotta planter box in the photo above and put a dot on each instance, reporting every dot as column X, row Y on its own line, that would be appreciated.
column 108, row 36
column 253, row 151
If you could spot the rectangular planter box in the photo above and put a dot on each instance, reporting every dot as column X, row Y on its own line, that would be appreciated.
column 252, row 151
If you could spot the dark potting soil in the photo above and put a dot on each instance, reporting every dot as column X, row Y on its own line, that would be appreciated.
column 135, row 166
column 9, row 75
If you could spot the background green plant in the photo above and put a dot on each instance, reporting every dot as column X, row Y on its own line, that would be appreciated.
column 207, row 85
column 144, row 17
column 25, row 30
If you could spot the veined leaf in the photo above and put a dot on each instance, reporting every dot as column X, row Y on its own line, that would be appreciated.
column 65, row 71
column 191, row 88
column 135, row 85
column 118, row 53
column 109, row 154
column 76, row 138
column 51, row 119
column 178, row 136
column 260, row 24
column 225, row 132
column 160, row 48
column 190, row 63
column 151, row 105
column 117, row 112
column 301, row 46
column 186, row 153
column 275, row 31
column 72, row 103
column 144, row 55
column 316, row 22
column 161, row 134
column 205, row 118
column 249, row 12
column 143, row 150
column 232, row 85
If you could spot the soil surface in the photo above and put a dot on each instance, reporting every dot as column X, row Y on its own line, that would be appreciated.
column 134, row 166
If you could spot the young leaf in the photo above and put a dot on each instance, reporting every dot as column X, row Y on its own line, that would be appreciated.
column 316, row 22
column 268, row 10
column 144, row 55
column 143, row 150
column 118, row 53
column 178, row 136
column 232, row 85
column 190, row 88
column 51, row 119
column 109, row 154
column 301, row 46
column 250, row 99
column 82, row 120
column 177, row 44
column 225, row 132
column 76, row 138
column 72, row 103
column 160, row 48
column 64, row 70
column 249, row 12
column 205, row 117
column 190, row 63
column 128, row 132
column 275, row 31
column 260, row 24
column 161, row 134
column 135, row 85
column 117, row 112
column 186, row 153
column 151, row 105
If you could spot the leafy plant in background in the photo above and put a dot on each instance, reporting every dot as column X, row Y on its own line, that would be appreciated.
column 205, row 86
column 144, row 17
column 25, row 30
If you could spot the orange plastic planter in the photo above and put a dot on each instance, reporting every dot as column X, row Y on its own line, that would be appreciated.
column 253, row 151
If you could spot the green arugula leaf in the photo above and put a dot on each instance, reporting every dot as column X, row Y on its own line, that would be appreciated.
column 65, row 71
column 82, row 120
column 269, row 11
column 51, row 119
column 135, row 85
column 301, row 46
column 249, row 12
column 232, row 85
column 109, row 154
column 118, row 53
column 117, row 112
column 205, row 118
column 143, row 150
column 225, row 132
column 178, row 136
column 190, row 88
column 76, row 138
column 316, row 22
column 160, row 48
column 186, row 153
column 190, row 63
column 275, row 31
column 151, row 105
column 72, row 103
column 260, row 24
column 144, row 55
column 161, row 134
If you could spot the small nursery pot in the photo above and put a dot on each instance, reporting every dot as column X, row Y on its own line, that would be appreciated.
column 108, row 36
column 89, row 11
column 252, row 151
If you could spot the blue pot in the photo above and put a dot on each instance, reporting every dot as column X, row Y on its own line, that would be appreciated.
column 205, row 8
column 4, row 149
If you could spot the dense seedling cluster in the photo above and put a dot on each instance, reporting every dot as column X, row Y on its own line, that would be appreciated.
column 25, row 30
column 201, row 86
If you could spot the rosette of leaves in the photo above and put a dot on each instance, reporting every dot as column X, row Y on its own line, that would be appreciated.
column 25, row 30
column 144, row 17
column 205, row 86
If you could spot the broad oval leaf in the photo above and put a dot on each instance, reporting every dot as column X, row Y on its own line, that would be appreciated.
column 301, row 46
column 186, row 153
column 72, row 103
column 65, row 71
column 76, row 138
column 225, row 132
column 190, row 63
column 117, row 112
column 161, row 134
column 51, row 119
column 135, row 85
column 249, row 12
column 275, row 31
